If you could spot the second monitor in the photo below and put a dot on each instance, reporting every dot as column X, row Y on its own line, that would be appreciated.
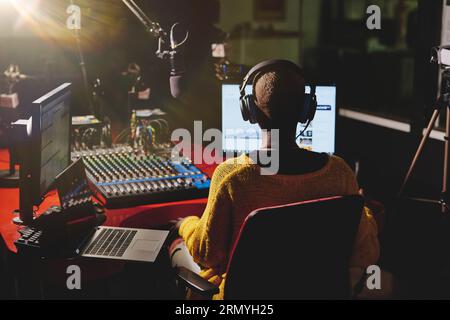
column 241, row 136
column 46, row 152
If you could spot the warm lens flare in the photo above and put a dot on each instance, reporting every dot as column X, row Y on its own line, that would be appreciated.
column 48, row 19
column 5, row 3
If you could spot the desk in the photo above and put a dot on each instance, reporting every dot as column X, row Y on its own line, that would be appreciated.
column 148, row 216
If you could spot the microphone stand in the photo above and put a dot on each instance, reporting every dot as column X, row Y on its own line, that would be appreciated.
column 443, row 102
column 84, row 75
column 82, row 64
column 10, row 178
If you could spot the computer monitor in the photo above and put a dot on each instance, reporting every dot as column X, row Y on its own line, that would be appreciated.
column 239, row 136
column 51, row 123
column 47, row 151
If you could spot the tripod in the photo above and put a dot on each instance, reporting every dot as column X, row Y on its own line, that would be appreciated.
column 443, row 102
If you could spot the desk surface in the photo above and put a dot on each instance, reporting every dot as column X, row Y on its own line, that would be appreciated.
column 146, row 217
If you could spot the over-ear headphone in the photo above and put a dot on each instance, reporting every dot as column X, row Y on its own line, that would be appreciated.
column 247, row 101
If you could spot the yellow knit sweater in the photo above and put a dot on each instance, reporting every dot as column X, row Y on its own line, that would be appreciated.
column 238, row 188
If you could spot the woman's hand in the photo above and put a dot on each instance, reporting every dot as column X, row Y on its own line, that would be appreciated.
column 176, row 224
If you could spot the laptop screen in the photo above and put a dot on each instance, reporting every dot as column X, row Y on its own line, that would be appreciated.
column 242, row 137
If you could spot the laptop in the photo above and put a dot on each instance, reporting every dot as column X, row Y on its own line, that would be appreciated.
column 116, row 243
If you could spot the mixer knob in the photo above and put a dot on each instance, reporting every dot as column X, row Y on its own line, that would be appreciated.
column 135, row 188
column 108, row 190
column 128, row 188
column 114, row 190
column 141, row 186
column 148, row 187
column 162, row 185
column 121, row 189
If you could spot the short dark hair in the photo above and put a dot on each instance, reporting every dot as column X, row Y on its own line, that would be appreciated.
column 279, row 94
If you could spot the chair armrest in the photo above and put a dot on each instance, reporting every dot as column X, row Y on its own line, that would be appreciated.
column 197, row 283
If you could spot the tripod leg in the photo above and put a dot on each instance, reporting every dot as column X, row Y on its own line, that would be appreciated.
column 445, row 174
column 430, row 127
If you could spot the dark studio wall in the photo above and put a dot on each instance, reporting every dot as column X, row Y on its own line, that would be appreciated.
column 386, row 154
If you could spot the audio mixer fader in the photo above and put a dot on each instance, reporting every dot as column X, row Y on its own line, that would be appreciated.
column 124, row 177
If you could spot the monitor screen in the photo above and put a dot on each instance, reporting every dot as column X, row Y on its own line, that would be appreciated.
column 51, row 133
column 242, row 136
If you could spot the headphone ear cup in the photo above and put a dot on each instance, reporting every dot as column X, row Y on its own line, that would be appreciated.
column 244, row 109
column 306, row 110
column 248, row 109
column 253, row 110
column 312, row 107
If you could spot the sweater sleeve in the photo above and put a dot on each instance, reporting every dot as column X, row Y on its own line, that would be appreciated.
column 208, row 238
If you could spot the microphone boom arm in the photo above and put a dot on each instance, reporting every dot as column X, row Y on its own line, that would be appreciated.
column 168, row 47
column 155, row 29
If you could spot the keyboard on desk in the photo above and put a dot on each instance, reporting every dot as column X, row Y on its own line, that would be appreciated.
column 125, row 244
column 30, row 238
column 124, row 177
column 111, row 242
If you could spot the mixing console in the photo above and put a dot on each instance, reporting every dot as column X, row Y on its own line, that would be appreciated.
column 124, row 177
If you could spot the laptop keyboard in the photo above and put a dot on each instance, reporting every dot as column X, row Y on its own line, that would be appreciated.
column 111, row 242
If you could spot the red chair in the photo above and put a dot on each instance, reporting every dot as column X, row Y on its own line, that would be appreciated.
column 295, row 251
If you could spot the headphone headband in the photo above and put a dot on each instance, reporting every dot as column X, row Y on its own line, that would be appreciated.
column 266, row 64
column 247, row 101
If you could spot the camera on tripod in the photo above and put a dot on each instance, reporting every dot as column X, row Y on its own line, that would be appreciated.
column 441, row 56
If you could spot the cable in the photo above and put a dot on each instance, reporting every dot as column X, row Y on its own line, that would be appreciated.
column 172, row 38
column 153, row 132
column 124, row 137
column 87, row 135
column 304, row 130
column 120, row 134
column 166, row 124
column 158, row 122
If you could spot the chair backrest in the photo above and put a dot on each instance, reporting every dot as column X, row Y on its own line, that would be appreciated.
column 296, row 251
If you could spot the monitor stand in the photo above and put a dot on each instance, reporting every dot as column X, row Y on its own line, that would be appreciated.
column 26, row 203
column 25, row 213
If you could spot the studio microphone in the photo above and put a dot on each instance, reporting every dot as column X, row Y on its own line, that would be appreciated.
column 175, row 55
column 177, row 74
column 177, row 65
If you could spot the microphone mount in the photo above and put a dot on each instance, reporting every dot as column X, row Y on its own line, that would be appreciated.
column 13, row 76
column 167, row 44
